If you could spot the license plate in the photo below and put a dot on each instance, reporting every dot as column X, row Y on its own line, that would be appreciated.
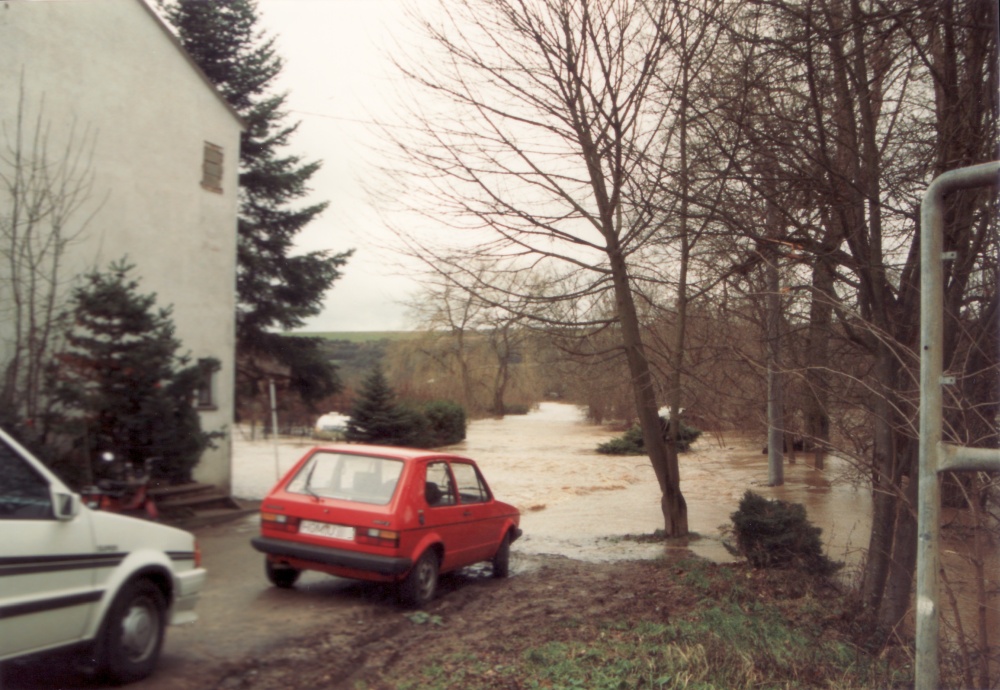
column 326, row 529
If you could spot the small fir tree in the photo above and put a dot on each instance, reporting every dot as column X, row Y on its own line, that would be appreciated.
column 119, row 383
column 375, row 416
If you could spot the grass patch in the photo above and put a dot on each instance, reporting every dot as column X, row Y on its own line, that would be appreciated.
column 738, row 631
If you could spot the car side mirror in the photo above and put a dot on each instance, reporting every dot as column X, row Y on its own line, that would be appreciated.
column 65, row 505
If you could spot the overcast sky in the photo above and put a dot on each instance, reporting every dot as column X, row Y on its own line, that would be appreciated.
column 335, row 72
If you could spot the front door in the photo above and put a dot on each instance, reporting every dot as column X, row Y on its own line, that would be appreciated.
column 482, row 529
column 448, row 518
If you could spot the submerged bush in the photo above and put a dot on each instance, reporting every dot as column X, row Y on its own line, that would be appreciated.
column 631, row 442
column 777, row 534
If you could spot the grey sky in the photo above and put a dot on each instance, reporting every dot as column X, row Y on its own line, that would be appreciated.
column 335, row 72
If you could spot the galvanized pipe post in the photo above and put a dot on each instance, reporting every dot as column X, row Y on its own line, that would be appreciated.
column 934, row 455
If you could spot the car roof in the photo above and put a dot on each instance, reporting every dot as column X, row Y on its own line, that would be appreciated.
column 394, row 452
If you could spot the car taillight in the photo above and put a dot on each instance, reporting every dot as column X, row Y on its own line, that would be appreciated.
column 378, row 537
column 280, row 522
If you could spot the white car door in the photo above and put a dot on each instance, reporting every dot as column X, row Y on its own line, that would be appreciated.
column 47, row 558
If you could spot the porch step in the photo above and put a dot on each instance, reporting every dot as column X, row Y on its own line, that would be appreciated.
column 195, row 504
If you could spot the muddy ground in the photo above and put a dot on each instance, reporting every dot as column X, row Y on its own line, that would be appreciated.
column 492, row 622
column 343, row 635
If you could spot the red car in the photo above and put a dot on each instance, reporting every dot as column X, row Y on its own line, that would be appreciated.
column 384, row 514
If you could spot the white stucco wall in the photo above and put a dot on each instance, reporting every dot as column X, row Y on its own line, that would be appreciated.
column 109, row 67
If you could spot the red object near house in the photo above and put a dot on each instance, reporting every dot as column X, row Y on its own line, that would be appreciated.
column 384, row 514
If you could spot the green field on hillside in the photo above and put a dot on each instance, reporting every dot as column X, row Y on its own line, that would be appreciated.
column 359, row 336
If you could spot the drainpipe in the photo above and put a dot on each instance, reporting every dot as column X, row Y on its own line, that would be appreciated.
column 935, row 456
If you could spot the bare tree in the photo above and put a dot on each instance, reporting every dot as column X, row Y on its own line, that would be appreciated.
column 871, row 103
column 539, row 132
column 477, row 333
column 44, row 193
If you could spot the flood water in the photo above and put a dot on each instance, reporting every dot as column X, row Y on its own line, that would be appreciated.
column 578, row 503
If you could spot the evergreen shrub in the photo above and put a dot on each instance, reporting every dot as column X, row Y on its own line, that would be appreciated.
column 120, row 384
column 777, row 534
column 446, row 423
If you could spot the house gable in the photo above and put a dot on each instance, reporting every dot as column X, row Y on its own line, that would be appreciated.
column 107, row 81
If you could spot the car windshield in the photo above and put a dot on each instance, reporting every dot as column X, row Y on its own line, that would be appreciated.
column 360, row 478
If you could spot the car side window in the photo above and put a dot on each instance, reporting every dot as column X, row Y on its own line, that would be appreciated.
column 471, row 488
column 24, row 494
column 438, row 488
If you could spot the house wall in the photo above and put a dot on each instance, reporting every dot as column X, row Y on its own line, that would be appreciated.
column 108, row 72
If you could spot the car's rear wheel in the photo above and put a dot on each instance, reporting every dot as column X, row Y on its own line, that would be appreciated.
column 133, row 633
column 283, row 576
column 420, row 584
column 501, row 560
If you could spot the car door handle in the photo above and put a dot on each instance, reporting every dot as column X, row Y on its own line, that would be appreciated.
column 467, row 513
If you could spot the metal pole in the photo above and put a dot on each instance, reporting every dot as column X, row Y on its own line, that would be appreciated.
column 274, row 429
column 927, row 671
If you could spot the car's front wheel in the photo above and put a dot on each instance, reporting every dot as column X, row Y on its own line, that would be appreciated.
column 133, row 632
column 282, row 576
column 419, row 586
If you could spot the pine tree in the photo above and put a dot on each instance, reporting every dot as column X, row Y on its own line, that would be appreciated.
column 275, row 289
column 119, row 382
column 376, row 417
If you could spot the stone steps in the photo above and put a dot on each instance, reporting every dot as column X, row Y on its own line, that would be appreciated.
column 195, row 504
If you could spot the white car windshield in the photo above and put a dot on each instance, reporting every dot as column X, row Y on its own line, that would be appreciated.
column 360, row 478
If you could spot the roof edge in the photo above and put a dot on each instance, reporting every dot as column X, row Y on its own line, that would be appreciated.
column 172, row 36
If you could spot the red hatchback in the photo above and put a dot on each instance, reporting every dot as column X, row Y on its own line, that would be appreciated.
column 384, row 514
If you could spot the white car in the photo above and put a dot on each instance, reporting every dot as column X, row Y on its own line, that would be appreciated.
column 75, row 577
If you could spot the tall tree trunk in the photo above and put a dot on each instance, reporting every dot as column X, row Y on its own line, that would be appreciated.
column 680, row 325
column 902, row 565
column 665, row 465
column 884, row 483
column 817, row 418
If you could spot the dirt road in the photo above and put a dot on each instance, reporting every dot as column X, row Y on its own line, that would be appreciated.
column 249, row 633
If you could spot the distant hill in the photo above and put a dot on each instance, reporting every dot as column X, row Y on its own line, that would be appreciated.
column 359, row 336
column 356, row 352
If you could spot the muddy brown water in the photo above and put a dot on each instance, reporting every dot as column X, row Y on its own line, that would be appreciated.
column 579, row 503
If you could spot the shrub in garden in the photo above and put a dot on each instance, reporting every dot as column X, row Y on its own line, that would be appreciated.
column 777, row 534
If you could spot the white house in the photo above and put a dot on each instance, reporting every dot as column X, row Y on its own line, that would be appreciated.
column 109, row 82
